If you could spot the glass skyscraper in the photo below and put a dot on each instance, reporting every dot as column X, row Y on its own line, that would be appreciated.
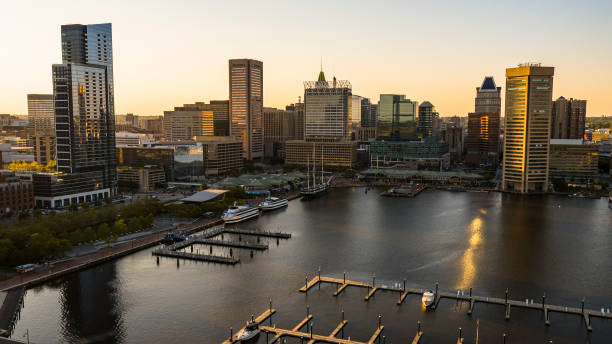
column 84, row 103
column 396, row 118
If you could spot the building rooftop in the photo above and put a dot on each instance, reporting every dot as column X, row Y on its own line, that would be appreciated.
column 204, row 195
column 566, row 141
column 488, row 84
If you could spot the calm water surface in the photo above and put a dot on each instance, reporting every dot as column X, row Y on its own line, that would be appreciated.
column 490, row 242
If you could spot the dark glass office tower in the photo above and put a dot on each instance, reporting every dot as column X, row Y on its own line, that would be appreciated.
column 396, row 118
column 84, row 102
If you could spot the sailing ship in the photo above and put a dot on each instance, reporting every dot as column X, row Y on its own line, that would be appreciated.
column 312, row 189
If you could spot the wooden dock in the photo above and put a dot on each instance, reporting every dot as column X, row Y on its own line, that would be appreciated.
column 206, row 238
column 343, row 283
column 313, row 337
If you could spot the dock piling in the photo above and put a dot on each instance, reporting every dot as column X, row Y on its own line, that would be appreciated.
column 582, row 305
column 379, row 320
column 504, row 338
column 470, row 292
column 544, row 300
column 307, row 310
column 459, row 335
column 506, row 295
column 231, row 335
column 373, row 280
column 344, row 278
column 418, row 326
column 436, row 288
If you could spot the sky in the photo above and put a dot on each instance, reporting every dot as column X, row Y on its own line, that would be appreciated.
column 167, row 53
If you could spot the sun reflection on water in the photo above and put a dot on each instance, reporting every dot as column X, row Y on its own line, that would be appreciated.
column 468, row 265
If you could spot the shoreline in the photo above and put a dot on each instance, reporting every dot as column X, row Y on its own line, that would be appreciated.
column 103, row 255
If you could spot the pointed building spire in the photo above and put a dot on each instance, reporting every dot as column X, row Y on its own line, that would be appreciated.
column 321, row 74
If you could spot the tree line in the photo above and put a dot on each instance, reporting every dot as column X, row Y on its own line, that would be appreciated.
column 43, row 236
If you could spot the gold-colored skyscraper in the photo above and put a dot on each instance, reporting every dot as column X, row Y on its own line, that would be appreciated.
column 527, row 131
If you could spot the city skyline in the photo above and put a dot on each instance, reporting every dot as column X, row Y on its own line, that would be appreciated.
column 451, row 57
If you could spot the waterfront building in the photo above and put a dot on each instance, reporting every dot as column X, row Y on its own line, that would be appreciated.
column 329, row 153
column 83, row 92
column 488, row 97
column 146, row 178
column 572, row 158
column 220, row 110
column 428, row 120
column 44, row 148
column 16, row 195
column 356, row 115
column 568, row 118
column 143, row 156
column 328, row 109
column 183, row 125
column 221, row 154
column 527, row 128
column 397, row 118
column 483, row 140
column 60, row 190
column 427, row 154
column 41, row 117
column 246, row 105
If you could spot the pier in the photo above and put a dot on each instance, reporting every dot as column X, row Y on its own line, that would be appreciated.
column 11, row 303
column 173, row 251
column 403, row 292
column 336, row 336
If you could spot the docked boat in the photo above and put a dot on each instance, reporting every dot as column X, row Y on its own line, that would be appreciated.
column 273, row 203
column 428, row 298
column 314, row 189
column 250, row 331
column 239, row 213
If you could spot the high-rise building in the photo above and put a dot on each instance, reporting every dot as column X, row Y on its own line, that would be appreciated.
column 297, row 111
column 368, row 113
column 397, row 118
column 44, row 148
column 220, row 110
column 85, row 133
column 483, row 140
column 328, row 109
column 488, row 97
column 356, row 114
column 41, row 118
column 484, row 126
column 568, row 118
column 84, row 103
column 221, row 154
column 279, row 126
column 527, row 128
column 246, row 105
column 184, row 125
column 428, row 120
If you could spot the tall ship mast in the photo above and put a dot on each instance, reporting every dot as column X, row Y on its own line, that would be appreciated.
column 315, row 190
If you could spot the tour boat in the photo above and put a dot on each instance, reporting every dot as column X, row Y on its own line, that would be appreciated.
column 428, row 298
column 250, row 331
column 272, row 203
column 313, row 190
column 239, row 213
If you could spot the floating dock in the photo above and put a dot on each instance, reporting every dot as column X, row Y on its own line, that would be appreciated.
column 173, row 251
column 343, row 283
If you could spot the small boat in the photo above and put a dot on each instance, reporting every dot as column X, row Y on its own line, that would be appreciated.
column 168, row 239
column 239, row 213
column 273, row 203
column 428, row 298
column 250, row 331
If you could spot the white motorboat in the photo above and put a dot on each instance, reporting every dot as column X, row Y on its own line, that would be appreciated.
column 272, row 203
column 239, row 213
column 428, row 298
column 250, row 331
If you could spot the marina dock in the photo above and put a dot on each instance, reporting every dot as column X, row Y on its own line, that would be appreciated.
column 372, row 288
column 310, row 336
column 173, row 251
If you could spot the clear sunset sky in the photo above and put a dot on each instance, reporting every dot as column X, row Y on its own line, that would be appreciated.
column 167, row 53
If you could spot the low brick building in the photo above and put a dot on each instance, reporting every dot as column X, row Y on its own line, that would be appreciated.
column 16, row 195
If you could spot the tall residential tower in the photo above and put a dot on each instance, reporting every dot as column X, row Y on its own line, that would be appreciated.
column 84, row 103
column 527, row 130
